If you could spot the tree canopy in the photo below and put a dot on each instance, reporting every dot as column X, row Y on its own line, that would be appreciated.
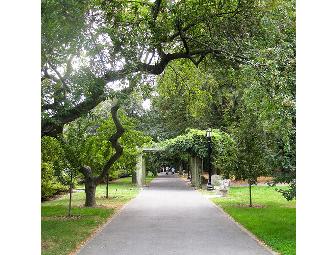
column 89, row 47
column 225, row 65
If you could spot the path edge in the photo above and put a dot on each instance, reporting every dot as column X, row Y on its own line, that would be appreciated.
column 100, row 228
column 241, row 227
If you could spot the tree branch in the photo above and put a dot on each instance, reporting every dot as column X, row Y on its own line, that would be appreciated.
column 60, row 77
column 115, row 144
column 156, row 9
column 53, row 128
column 181, row 33
column 86, row 171
column 201, row 20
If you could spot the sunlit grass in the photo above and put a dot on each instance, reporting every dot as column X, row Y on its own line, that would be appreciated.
column 272, row 219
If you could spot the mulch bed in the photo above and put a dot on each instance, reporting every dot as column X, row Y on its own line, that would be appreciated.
column 248, row 206
column 62, row 218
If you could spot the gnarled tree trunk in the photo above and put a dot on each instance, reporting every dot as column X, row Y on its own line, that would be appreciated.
column 91, row 181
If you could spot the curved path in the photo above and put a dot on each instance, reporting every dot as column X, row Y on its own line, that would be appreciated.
column 169, row 218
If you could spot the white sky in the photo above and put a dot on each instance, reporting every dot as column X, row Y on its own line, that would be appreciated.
column 146, row 104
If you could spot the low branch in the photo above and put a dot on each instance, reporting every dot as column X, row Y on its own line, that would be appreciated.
column 197, row 62
column 55, row 127
column 60, row 119
column 46, row 107
column 86, row 171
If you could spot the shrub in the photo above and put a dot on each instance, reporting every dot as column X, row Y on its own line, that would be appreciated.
column 50, row 186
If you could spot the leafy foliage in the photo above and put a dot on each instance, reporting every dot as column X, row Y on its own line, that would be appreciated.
column 194, row 143
column 52, row 168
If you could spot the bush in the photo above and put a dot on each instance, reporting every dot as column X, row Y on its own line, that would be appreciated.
column 50, row 186
column 53, row 175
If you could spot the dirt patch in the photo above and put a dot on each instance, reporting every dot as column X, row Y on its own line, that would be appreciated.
column 45, row 245
column 55, row 197
column 248, row 206
column 289, row 206
column 260, row 180
column 62, row 218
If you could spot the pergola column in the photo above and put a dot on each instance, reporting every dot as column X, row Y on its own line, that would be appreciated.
column 140, row 170
column 180, row 168
column 196, row 170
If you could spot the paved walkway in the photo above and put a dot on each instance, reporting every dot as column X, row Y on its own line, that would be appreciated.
column 170, row 218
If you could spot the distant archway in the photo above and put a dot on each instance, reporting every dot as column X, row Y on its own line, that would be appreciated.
column 195, row 166
column 141, row 165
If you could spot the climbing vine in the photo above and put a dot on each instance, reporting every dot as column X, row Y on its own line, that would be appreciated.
column 194, row 143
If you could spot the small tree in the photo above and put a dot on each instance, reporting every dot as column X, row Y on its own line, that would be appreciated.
column 91, row 153
column 251, row 161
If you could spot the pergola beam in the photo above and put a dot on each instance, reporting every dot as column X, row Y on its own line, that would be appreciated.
column 141, row 166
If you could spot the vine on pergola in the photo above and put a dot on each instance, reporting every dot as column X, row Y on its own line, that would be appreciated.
column 194, row 143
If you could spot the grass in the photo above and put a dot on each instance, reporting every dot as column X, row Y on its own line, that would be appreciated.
column 272, row 220
column 62, row 235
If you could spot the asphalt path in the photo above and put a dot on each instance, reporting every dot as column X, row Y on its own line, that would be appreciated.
column 169, row 217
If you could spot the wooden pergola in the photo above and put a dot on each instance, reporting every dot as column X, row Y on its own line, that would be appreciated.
column 195, row 164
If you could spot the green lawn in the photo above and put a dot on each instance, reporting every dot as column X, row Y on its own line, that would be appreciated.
column 272, row 220
column 61, row 234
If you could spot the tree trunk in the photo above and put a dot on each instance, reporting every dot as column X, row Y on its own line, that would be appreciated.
column 90, row 192
column 134, row 177
column 180, row 168
column 250, row 187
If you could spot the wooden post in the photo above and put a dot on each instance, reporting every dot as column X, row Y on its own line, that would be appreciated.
column 250, row 194
column 107, row 183
column 70, row 191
